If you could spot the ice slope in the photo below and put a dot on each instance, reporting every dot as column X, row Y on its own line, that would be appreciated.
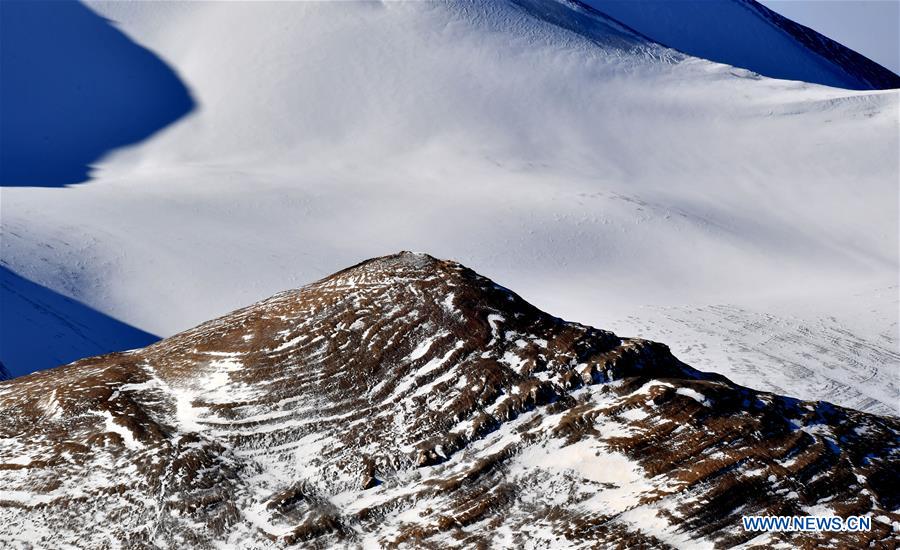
column 589, row 168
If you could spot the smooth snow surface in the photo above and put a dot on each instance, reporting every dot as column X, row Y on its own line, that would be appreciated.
column 749, row 223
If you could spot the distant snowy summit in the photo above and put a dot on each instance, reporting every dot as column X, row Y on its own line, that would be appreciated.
column 409, row 402
column 745, row 34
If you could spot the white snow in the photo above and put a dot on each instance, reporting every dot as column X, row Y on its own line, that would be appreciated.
column 635, row 414
column 695, row 395
column 514, row 361
column 185, row 413
column 590, row 461
column 422, row 348
column 51, row 406
column 447, row 304
column 646, row 518
column 125, row 433
column 289, row 343
column 438, row 362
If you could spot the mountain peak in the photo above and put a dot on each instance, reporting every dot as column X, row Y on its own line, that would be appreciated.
column 403, row 401
column 404, row 264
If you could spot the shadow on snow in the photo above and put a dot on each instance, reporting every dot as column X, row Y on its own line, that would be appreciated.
column 73, row 88
column 40, row 328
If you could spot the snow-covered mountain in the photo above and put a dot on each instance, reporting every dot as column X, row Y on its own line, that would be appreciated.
column 408, row 402
column 748, row 222
column 744, row 33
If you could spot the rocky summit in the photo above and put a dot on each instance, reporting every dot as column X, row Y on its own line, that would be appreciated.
column 408, row 402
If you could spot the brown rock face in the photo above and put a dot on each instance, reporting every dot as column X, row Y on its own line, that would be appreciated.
column 409, row 402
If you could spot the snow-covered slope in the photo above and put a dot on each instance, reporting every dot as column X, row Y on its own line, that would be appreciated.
column 746, row 34
column 539, row 142
column 408, row 402
column 40, row 328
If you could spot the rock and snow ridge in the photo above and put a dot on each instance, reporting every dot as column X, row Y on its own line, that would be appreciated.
column 409, row 402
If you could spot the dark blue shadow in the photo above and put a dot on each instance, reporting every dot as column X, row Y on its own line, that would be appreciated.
column 72, row 88
column 40, row 328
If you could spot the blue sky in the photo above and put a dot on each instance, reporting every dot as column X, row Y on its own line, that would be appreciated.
column 871, row 27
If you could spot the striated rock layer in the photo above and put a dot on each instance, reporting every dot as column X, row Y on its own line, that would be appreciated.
column 410, row 402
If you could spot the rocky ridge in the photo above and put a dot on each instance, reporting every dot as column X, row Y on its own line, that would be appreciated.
column 410, row 402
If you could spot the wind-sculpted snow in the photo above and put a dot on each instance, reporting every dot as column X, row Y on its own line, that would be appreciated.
column 408, row 402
